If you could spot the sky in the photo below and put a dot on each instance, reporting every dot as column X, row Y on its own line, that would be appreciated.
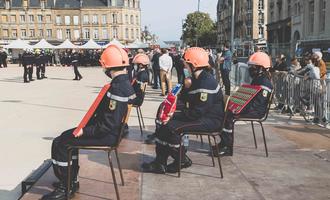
column 165, row 17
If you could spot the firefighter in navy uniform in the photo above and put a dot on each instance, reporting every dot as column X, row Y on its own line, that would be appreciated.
column 102, row 129
column 142, row 61
column 203, row 113
column 38, row 62
column 27, row 62
column 259, row 65
column 75, row 63
column 44, row 61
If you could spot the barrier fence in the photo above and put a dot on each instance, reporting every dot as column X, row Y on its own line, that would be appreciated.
column 295, row 94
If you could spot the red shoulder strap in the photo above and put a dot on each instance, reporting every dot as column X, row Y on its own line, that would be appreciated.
column 92, row 109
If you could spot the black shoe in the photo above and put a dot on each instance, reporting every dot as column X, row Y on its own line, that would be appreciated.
column 226, row 151
column 39, row 78
column 174, row 167
column 31, row 79
column 75, row 79
column 75, row 186
column 214, row 149
column 155, row 88
column 316, row 121
column 80, row 78
column 58, row 194
column 162, row 95
column 26, row 81
column 126, row 131
column 44, row 77
column 153, row 167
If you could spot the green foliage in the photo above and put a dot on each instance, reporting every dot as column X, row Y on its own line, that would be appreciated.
column 199, row 27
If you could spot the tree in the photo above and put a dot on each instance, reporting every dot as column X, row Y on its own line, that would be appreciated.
column 199, row 29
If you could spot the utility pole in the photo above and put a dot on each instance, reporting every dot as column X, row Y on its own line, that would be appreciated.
column 232, row 25
column 199, row 2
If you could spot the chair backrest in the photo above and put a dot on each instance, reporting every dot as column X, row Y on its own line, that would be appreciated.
column 268, row 106
column 123, row 124
column 144, row 88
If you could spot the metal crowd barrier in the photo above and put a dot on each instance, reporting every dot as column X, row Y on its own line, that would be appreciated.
column 307, row 97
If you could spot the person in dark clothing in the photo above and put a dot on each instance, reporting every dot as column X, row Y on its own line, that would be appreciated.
column 3, row 58
column 140, row 81
column 74, row 63
column 102, row 129
column 27, row 62
column 20, row 60
column 38, row 62
column 156, row 69
column 225, row 68
column 44, row 61
column 259, row 71
column 204, row 113
column 281, row 64
column 130, row 68
column 178, row 65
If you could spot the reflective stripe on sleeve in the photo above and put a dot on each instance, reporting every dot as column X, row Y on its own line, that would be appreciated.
column 205, row 91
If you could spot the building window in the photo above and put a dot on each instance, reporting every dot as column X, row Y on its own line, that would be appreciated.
column 40, row 18
column 23, row 33
column 75, row 20
column 4, row 18
column 105, row 33
column 13, row 18
column 31, row 18
column 58, row 19
column 68, row 33
column 96, row 34
column 289, row 7
column 126, row 33
column 311, row 16
column 104, row 19
column 22, row 18
column 40, row 33
column 42, row 4
column 132, row 33
column 249, row 5
column 126, row 19
column 86, row 33
column 76, row 34
column 322, row 15
column 86, row 19
column 137, row 20
column 261, row 32
column 14, row 33
column 271, row 16
column 261, row 5
column 137, row 34
column 48, row 18
column 7, row 4
column 114, row 18
column 126, row 4
column 5, row 33
column 67, row 20
column 114, row 32
column 32, row 34
column 130, row 2
column 113, row 2
column 94, row 19
column 132, row 19
column 49, row 33
column 59, row 34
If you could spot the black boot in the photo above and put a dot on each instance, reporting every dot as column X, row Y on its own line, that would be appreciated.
column 58, row 194
column 174, row 166
column 75, row 185
column 150, row 139
column 153, row 167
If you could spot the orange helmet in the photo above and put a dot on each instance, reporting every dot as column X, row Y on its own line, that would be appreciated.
column 260, row 59
column 197, row 56
column 114, row 56
column 141, row 59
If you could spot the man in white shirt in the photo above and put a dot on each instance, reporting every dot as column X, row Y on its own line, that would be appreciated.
column 165, row 64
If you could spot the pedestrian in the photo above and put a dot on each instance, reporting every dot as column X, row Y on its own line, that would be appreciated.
column 156, row 68
column 3, row 58
column 44, row 61
column 103, row 129
column 75, row 63
column 204, row 113
column 165, row 65
column 321, row 64
column 19, row 59
column 259, row 64
column 178, row 65
column 225, row 68
column 38, row 62
column 27, row 62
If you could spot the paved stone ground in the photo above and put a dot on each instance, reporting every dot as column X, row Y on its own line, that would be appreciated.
column 33, row 114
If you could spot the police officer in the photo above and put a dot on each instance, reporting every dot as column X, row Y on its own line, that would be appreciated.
column 103, row 128
column 74, row 63
column 204, row 112
column 259, row 65
column 44, row 62
column 27, row 61
column 141, row 61
column 38, row 62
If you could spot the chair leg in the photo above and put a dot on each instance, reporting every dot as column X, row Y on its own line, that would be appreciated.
column 141, row 117
column 254, row 135
column 180, row 157
column 113, row 175
column 138, row 114
column 68, row 185
column 210, row 144
column 119, row 166
column 219, row 161
column 202, row 140
column 263, row 134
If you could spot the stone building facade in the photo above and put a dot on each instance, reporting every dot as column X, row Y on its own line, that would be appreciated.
column 76, row 20
column 250, row 21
